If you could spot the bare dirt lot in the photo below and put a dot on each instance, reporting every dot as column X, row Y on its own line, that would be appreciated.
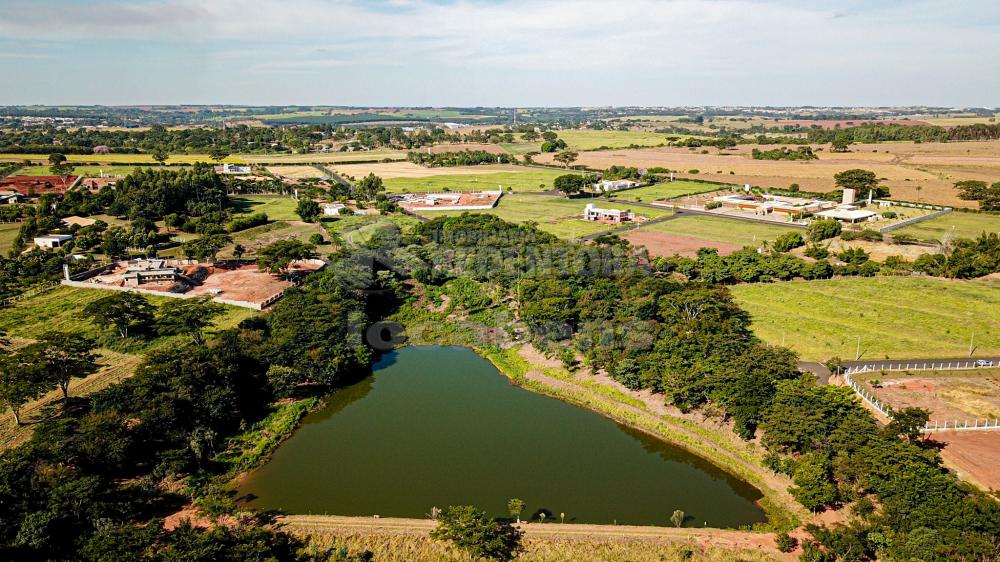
column 664, row 244
column 974, row 455
column 948, row 395
column 924, row 172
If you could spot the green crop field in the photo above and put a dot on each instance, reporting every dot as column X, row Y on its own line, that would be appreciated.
column 664, row 191
column 89, row 171
column 956, row 224
column 531, row 179
column 522, row 147
column 590, row 140
column 277, row 207
column 8, row 232
column 722, row 229
column 556, row 215
column 323, row 157
column 60, row 309
column 896, row 317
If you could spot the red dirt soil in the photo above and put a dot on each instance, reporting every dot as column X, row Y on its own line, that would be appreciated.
column 975, row 455
column 663, row 244
column 37, row 184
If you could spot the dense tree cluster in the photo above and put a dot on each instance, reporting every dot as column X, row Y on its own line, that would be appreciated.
column 460, row 158
column 783, row 153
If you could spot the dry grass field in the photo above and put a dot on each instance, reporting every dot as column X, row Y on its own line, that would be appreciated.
column 300, row 171
column 924, row 172
column 391, row 170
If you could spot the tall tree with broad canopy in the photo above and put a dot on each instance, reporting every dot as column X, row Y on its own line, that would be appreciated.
column 476, row 533
column 61, row 356
column 189, row 316
column 125, row 311
column 276, row 256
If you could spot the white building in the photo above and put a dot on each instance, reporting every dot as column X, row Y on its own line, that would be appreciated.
column 594, row 213
column 334, row 209
column 614, row 185
column 234, row 169
column 847, row 213
column 53, row 240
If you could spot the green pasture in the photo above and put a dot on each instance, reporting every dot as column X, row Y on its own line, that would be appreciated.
column 578, row 139
column 277, row 207
column 955, row 224
column 531, row 179
column 88, row 171
column 669, row 190
column 720, row 229
column 8, row 232
column 896, row 317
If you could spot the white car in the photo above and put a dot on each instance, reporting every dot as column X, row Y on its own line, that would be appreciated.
column 984, row 363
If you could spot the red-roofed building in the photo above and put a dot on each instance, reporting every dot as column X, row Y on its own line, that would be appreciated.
column 38, row 185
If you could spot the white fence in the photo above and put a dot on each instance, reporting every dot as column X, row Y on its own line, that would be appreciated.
column 932, row 425
column 949, row 365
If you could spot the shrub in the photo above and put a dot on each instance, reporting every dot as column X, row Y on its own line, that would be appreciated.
column 889, row 214
column 786, row 543
column 474, row 532
column 788, row 241
column 824, row 229
column 693, row 171
column 243, row 223
column 713, row 205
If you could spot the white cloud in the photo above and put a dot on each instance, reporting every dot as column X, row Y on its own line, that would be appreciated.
column 730, row 45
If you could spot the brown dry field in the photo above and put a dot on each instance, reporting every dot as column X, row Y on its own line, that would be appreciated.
column 974, row 455
column 923, row 172
column 297, row 172
column 663, row 244
column 958, row 395
column 844, row 123
column 877, row 250
column 458, row 147
column 389, row 170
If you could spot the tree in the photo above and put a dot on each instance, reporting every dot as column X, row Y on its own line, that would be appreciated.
column 61, row 356
column 515, row 506
column 368, row 188
column 787, row 242
column 974, row 190
column 238, row 251
column 908, row 422
column 474, row 532
column 823, row 229
column 566, row 157
column 276, row 256
column 677, row 518
column 813, row 488
column 160, row 155
column 307, row 209
column 20, row 382
column 124, row 311
column 861, row 181
column 840, row 144
column 189, row 316
column 218, row 154
column 207, row 247
column 57, row 158
column 569, row 184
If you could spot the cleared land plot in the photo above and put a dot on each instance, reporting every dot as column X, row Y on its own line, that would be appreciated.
column 298, row 172
column 555, row 215
column 955, row 224
column 358, row 229
column 663, row 244
column 664, row 191
column 277, row 207
column 974, row 455
column 947, row 395
column 527, row 179
column 720, row 230
column 393, row 170
column 896, row 317
column 8, row 232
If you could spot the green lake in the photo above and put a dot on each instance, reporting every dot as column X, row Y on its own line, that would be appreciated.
column 439, row 426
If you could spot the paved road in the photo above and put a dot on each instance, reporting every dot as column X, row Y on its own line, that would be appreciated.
column 333, row 175
column 945, row 363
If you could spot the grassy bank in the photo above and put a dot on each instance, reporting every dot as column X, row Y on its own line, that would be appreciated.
column 254, row 446
column 710, row 444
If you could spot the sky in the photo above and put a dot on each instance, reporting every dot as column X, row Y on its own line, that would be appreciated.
column 501, row 53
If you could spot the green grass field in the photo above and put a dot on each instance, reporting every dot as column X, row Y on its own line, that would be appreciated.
column 721, row 229
column 896, row 317
column 277, row 207
column 88, row 171
column 326, row 157
column 8, row 232
column 590, row 140
column 531, row 179
column 556, row 215
column 955, row 224
column 651, row 193
column 61, row 309
column 121, row 158
column 263, row 235
column 358, row 229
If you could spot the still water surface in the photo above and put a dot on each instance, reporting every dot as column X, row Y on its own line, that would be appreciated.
column 437, row 426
